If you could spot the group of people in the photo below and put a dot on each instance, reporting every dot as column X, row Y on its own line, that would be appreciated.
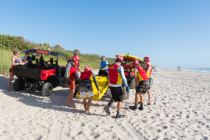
column 116, row 78
column 115, row 75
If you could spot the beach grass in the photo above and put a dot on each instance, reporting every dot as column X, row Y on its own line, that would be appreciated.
column 5, row 61
column 85, row 60
column 8, row 43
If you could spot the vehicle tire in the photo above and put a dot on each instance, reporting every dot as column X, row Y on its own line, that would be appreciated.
column 19, row 85
column 52, row 80
column 47, row 89
column 133, row 83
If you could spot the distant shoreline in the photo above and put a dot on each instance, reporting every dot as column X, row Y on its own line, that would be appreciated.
column 197, row 70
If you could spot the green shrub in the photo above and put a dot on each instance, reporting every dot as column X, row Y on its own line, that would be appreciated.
column 9, row 43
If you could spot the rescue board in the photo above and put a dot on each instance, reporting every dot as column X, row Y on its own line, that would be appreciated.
column 103, row 85
column 130, row 57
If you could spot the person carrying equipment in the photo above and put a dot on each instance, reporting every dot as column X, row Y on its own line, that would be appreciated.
column 87, row 80
column 116, row 76
column 77, row 64
column 71, row 73
column 148, row 69
column 78, row 73
column 141, row 76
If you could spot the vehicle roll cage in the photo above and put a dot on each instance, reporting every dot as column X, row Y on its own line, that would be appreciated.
column 48, row 53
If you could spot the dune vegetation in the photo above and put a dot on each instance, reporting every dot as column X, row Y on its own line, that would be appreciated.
column 8, row 43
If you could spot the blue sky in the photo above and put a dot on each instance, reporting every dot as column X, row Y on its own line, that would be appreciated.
column 171, row 32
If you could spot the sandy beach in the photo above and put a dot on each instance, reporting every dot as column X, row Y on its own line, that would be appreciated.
column 180, row 110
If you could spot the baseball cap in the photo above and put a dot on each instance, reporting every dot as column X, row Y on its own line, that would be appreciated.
column 26, row 51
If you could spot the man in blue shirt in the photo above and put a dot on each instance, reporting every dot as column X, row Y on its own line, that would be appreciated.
column 103, row 67
column 104, row 64
column 24, row 58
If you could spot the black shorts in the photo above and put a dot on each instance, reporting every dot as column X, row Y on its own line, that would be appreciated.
column 142, row 87
column 150, row 83
column 86, row 86
column 10, row 69
column 117, row 94
column 103, row 73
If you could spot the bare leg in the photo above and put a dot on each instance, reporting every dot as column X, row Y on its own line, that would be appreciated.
column 88, row 106
column 149, row 95
column 136, row 102
column 10, row 80
column 106, row 108
column 72, row 95
column 76, row 90
column 142, row 102
column 136, row 98
column 111, row 102
column 119, row 106
column 70, row 98
column 84, row 103
column 142, row 98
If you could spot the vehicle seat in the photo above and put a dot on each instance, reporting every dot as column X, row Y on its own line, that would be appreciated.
column 51, row 61
column 58, row 71
column 102, row 73
column 33, row 57
column 63, row 70
column 42, row 62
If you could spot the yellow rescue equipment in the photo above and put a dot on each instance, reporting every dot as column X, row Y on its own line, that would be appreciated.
column 130, row 57
column 103, row 85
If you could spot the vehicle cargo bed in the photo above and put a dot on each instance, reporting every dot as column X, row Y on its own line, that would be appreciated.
column 33, row 72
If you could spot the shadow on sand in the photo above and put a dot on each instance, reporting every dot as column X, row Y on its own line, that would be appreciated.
column 57, row 101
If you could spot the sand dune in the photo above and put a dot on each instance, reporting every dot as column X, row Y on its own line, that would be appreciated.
column 180, row 110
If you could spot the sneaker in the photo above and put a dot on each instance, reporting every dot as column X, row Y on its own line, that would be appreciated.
column 106, row 109
column 141, row 108
column 132, row 107
column 120, row 116
column 148, row 103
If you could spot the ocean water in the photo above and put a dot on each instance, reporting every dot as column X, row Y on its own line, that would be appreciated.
column 200, row 70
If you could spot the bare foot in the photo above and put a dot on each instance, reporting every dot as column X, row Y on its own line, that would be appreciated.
column 71, row 105
column 9, row 90
column 87, row 112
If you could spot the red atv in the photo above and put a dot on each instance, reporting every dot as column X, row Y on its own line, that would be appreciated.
column 43, row 75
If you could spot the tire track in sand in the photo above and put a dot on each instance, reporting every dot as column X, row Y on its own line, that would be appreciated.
column 126, row 132
column 57, row 128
